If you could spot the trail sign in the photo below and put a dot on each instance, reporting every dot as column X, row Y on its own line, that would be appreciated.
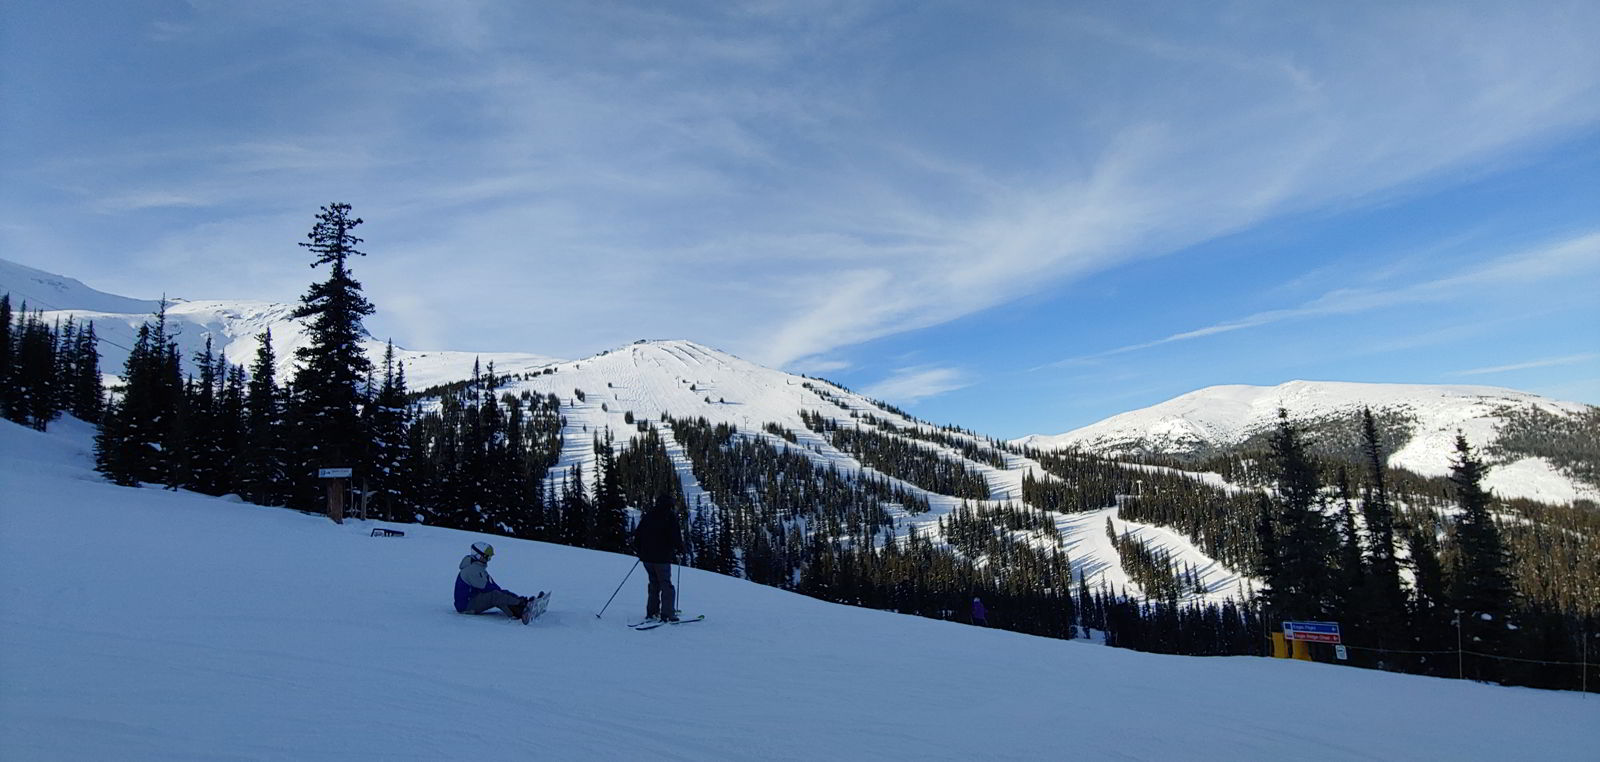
column 334, row 473
column 1315, row 632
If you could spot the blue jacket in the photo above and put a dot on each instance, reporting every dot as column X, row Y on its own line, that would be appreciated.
column 473, row 579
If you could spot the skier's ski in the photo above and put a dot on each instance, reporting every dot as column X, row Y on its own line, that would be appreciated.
column 651, row 624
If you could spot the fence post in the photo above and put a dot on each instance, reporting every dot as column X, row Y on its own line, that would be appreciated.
column 1460, row 672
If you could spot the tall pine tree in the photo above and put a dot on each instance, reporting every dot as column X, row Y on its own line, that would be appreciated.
column 1303, row 582
column 263, row 463
column 329, row 379
column 1480, row 578
column 203, row 446
column 1383, row 605
column 388, row 417
column 608, row 531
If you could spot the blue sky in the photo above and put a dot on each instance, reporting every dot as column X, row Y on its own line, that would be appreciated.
column 1018, row 217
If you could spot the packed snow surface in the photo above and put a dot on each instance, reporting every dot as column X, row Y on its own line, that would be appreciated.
column 145, row 624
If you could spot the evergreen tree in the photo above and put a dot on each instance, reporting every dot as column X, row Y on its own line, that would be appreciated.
column 263, row 461
column 1306, row 544
column 1352, row 572
column 1480, row 580
column 33, row 395
column 1384, row 599
column 575, row 509
column 1430, row 622
column 203, row 451
column 230, row 422
column 388, row 418
column 85, row 398
column 328, row 382
column 7, row 356
column 141, row 431
column 609, row 528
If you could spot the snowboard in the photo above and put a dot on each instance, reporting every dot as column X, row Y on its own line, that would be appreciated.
column 536, row 606
column 651, row 625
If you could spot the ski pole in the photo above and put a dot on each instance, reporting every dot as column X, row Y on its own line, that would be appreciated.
column 619, row 588
column 677, row 592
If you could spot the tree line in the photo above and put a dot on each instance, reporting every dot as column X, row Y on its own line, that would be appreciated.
column 47, row 368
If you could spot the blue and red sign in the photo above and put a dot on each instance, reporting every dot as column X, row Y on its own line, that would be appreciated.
column 1315, row 632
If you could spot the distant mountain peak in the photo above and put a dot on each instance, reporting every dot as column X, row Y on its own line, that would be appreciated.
column 1427, row 417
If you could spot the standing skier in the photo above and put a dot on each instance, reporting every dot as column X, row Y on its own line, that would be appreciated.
column 656, row 540
column 476, row 591
column 980, row 616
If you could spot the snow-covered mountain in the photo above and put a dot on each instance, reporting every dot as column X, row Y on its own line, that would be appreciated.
column 1423, row 418
column 615, row 390
column 163, row 625
column 232, row 326
column 641, row 382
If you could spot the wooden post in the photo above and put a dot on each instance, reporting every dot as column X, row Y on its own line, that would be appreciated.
column 335, row 479
column 336, row 500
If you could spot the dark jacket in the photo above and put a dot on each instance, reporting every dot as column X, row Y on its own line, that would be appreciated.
column 656, row 539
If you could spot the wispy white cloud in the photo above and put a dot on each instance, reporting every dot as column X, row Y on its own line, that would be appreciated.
column 819, row 365
column 1579, row 255
column 910, row 385
column 781, row 180
column 1542, row 363
column 155, row 199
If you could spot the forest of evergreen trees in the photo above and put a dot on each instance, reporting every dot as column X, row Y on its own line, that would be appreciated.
column 47, row 369
column 901, row 459
column 1409, row 565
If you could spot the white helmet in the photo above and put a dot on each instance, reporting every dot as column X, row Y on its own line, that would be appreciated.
column 483, row 550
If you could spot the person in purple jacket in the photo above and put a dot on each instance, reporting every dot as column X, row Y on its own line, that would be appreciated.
column 980, row 616
column 476, row 591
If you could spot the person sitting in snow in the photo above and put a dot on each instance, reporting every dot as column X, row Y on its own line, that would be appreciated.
column 476, row 591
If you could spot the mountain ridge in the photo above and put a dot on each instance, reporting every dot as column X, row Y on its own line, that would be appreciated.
column 1204, row 421
column 1227, row 417
column 232, row 325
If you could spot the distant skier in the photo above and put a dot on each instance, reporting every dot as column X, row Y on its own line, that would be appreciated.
column 980, row 616
column 476, row 591
column 656, row 540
